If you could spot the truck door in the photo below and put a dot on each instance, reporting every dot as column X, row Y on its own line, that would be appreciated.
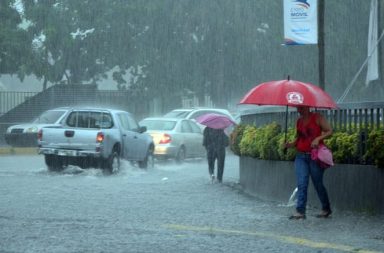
column 134, row 147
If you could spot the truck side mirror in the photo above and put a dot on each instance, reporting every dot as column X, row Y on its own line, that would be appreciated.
column 142, row 129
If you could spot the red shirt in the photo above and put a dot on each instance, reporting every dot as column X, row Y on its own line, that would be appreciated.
column 307, row 132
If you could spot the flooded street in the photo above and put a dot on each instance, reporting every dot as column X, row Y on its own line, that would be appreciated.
column 78, row 79
column 169, row 208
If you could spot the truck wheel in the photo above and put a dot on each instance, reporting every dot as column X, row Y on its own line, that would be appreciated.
column 149, row 161
column 83, row 162
column 112, row 164
column 54, row 163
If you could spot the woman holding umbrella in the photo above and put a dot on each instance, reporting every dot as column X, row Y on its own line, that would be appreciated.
column 311, row 129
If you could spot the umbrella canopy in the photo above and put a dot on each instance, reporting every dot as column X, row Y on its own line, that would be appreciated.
column 289, row 93
column 214, row 120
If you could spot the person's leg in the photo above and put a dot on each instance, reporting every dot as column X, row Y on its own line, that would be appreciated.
column 220, row 164
column 302, row 178
column 211, row 161
column 215, row 162
column 317, row 174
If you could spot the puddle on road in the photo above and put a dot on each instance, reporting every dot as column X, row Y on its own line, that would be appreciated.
column 127, row 169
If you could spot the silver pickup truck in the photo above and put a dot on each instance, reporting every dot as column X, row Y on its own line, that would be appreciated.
column 93, row 137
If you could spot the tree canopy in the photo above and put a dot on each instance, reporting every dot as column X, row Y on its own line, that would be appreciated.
column 14, row 41
column 167, row 48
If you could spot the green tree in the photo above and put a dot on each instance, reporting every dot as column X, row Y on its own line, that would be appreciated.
column 14, row 42
column 79, row 41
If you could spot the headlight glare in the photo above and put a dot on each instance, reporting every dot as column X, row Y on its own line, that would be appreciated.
column 32, row 129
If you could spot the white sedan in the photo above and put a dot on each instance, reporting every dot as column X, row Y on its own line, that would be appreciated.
column 175, row 138
column 25, row 135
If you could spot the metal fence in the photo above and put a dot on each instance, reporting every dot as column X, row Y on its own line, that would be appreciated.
column 354, row 116
column 358, row 118
column 11, row 99
column 349, row 117
column 21, row 107
column 18, row 107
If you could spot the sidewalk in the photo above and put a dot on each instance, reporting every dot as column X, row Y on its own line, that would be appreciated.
column 8, row 150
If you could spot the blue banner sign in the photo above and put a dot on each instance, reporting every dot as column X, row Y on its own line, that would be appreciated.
column 300, row 22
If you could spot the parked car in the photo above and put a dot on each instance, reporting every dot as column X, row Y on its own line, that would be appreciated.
column 96, row 137
column 193, row 113
column 25, row 135
column 175, row 138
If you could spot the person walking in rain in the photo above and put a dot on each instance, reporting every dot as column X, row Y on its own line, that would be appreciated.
column 311, row 129
column 215, row 141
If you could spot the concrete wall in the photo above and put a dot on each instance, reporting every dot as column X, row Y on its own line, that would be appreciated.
column 350, row 187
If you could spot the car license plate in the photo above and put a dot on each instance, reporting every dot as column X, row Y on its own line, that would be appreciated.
column 66, row 153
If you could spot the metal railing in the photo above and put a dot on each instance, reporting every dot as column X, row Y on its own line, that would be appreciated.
column 11, row 99
column 348, row 117
column 358, row 118
column 21, row 107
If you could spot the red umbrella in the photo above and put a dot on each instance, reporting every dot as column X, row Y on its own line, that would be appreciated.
column 289, row 93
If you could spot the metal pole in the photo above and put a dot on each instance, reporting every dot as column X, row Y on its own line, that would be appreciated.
column 320, row 43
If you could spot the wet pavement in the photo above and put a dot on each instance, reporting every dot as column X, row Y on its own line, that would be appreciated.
column 170, row 208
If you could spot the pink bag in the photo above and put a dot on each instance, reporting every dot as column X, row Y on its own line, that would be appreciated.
column 323, row 156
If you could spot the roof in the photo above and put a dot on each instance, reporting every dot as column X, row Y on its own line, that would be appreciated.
column 163, row 118
column 89, row 108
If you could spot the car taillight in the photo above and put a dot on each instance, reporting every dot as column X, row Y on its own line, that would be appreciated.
column 166, row 138
column 100, row 137
column 40, row 135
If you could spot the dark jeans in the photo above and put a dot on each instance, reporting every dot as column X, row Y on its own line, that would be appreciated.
column 212, row 155
column 305, row 167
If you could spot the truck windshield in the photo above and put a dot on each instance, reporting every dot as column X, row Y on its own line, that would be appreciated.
column 86, row 119
column 49, row 117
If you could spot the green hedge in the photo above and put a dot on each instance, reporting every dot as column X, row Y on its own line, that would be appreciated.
column 360, row 147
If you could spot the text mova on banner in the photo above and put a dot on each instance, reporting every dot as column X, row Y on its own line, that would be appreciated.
column 300, row 22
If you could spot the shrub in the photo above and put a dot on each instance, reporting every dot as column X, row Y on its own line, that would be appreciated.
column 267, row 143
column 248, row 145
column 344, row 147
column 290, row 153
column 236, row 137
column 375, row 147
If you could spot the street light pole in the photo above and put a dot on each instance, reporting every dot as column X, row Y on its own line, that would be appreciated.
column 320, row 43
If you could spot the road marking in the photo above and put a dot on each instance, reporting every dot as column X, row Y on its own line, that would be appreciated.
column 281, row 238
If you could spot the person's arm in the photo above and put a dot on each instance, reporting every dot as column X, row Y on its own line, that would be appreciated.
column 326, row 130
column 225, row 139
column 205, row 137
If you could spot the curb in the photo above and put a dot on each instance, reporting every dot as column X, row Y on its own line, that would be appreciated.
column 18, row 151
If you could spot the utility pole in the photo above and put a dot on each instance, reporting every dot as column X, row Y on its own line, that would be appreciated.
column 320, row 43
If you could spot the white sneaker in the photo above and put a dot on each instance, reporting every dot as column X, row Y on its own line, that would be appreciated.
column 212, row 178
